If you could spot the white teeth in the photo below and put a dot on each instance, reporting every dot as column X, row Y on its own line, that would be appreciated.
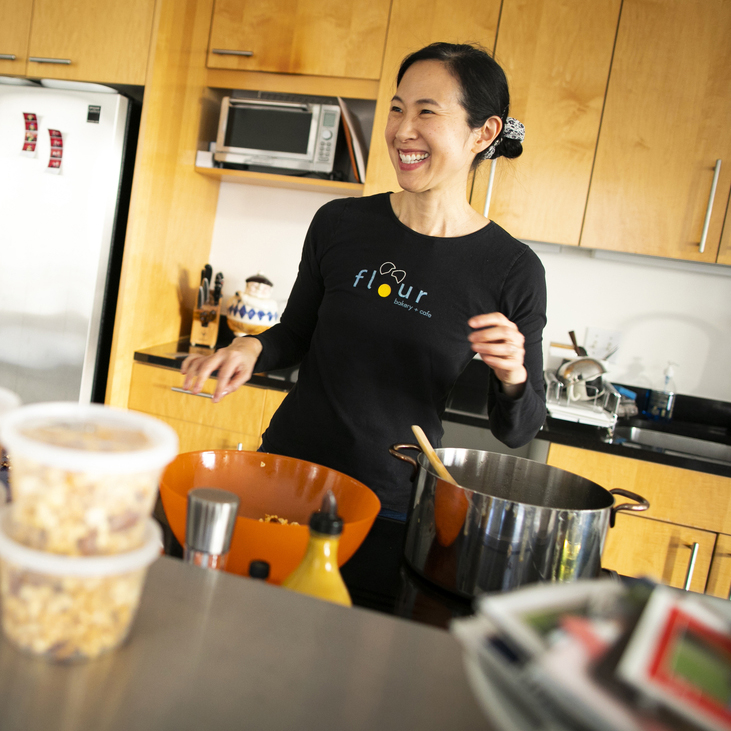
column 409, row 159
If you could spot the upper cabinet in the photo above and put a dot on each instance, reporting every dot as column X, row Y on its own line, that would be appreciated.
column 317, row 37
column 85, row 40
column 665, row 125
column 14, row 30
column 557, row 57
column 412, row 27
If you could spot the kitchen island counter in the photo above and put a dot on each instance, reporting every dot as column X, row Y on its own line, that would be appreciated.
column 214, row 651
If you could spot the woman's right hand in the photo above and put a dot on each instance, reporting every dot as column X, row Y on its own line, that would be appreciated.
column 235, row 365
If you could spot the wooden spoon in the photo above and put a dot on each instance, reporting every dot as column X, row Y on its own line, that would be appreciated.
column 450, row 501
column 431, row 455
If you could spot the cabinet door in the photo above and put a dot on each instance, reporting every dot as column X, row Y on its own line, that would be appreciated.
column 719, row 577
column 724, row 250
column 412, row 27
column 556, row 55
column 14, row 29
column 240, row 418
column 196, row 437
column 639, row 546
column 665, row 125
column 318, row 37
column 103, row 41
column 676, row 495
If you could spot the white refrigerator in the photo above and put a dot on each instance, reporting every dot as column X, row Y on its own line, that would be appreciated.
column 65, row 172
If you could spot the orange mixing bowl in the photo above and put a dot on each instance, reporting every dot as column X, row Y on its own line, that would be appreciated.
column 269, row 483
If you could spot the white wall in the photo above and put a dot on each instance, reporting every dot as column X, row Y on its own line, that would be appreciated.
column 666, row 311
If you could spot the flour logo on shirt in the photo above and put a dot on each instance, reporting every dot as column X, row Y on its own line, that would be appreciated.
column 406, row 296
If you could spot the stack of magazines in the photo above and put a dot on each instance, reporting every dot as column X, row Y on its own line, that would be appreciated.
column 600, row 655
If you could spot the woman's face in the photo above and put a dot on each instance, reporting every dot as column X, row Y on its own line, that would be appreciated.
column 430, row 144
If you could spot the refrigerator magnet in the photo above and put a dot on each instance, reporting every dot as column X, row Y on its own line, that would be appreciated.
column 31, row 135
column 54, row 163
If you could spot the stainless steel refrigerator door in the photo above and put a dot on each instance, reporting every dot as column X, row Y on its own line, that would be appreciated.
column 55, row 238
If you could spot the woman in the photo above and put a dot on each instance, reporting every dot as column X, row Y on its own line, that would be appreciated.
column 397, row 292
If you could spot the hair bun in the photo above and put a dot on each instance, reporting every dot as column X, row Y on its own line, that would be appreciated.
column 509, row 148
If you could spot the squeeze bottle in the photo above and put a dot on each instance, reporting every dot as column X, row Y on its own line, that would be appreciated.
column 318, row 574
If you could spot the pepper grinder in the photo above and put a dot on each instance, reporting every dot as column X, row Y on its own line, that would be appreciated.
column 209, row 527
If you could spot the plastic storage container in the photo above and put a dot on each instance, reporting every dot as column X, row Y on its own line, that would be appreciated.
column 68, row 607
column 84, row 477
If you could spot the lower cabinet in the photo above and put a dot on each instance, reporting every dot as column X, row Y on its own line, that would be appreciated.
column 661, row 551
column 240, row 418
column 686, row 508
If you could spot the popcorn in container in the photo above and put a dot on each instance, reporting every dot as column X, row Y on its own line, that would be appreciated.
column 71, row 607
column 8, row 401
column 84, row 477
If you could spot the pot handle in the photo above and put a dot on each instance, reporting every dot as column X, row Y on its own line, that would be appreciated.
column 395, row 450
column 641, row 506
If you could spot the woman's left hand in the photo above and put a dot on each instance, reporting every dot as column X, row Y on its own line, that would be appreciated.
column 500, row 344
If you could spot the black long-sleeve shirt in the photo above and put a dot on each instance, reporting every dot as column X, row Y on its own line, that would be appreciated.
column 378, row 320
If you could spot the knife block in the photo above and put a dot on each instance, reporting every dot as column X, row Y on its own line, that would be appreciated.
column 205, row 325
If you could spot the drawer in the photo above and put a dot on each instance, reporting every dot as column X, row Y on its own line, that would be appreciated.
column 638, row 546
column 676, row 495
column 242, row 412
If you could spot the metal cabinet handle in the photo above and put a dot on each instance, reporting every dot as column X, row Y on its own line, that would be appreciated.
column 490, row 182
column 691, row 566
column 190, row 393
column 226, row 52
column 707, row 221
column 41, row 59
column 7, row 57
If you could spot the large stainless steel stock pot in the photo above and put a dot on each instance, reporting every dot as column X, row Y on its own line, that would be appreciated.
column 508, row 522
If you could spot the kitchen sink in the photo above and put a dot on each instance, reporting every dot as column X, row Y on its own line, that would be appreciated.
column 672, row 443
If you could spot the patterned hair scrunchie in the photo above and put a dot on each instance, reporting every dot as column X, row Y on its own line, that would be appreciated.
column 513, row 129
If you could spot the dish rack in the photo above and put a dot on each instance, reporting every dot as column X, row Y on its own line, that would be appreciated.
column 582, row 402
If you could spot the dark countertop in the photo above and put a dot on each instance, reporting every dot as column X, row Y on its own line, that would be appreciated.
column 467, row 404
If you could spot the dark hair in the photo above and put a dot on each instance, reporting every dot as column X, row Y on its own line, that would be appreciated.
column 483, row 85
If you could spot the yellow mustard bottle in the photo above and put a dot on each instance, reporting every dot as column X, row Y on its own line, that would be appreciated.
column 318, row 574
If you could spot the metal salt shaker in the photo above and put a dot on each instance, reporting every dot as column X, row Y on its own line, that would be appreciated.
column 209, row 526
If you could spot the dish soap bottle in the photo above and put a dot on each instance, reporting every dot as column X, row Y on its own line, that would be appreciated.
column 318, row 574
column 661, row 403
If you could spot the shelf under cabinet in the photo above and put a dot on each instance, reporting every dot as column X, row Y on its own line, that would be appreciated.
column 282, row 181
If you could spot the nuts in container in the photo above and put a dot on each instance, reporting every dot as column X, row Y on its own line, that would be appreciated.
column 69, row 607
column 84, row 477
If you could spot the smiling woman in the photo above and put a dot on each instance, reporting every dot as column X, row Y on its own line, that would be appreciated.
column 397, row 293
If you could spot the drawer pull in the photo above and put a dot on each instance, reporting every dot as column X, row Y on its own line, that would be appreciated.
column 691, row 566
column 707, row 221
column 7, row 57
column 42, row 59
column 226, row 52
column 190, row 393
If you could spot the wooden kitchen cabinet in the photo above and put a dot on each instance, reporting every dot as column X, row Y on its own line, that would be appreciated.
column 103, row 41
column 719, row 577
column 14, row 29
column 665, row 124
column 685, row 507
column 639, row 546
column 556, row 56
column 319, row 37
column 240, row 418
column 411, row 28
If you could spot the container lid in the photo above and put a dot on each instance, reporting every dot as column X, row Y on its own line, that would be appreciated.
column 210, row 521
column 56, row 564
column 326, row 520
column 8, row 401
column 259, row 569
column 88, row 438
